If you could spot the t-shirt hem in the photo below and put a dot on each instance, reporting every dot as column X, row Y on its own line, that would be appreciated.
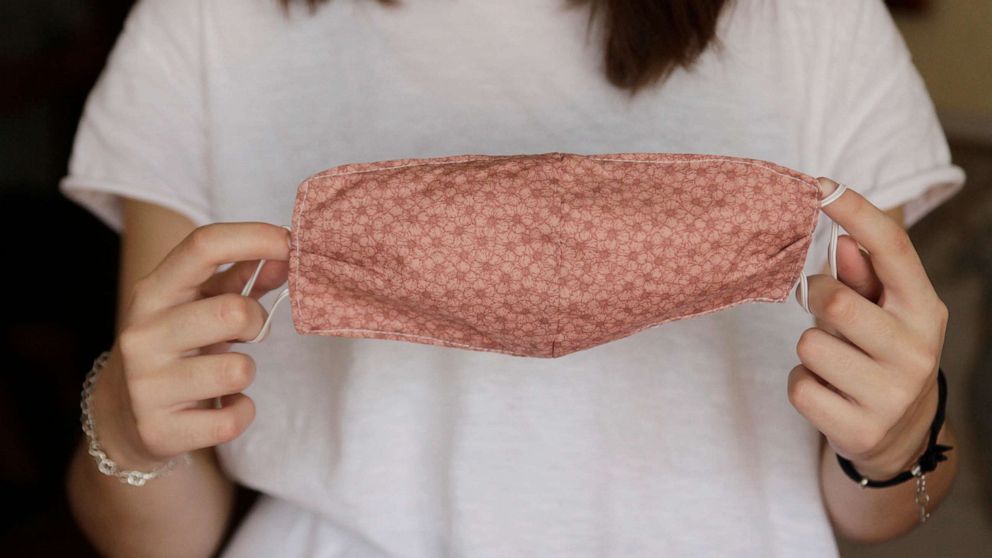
column 921, row 193
column 102, row 199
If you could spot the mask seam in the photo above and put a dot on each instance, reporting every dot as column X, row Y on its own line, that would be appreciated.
column 294, row 300
column 425, row 163
column 726, row 160
column 736, row 161
column 810, row 234
column 422, row 337
column 726, row 306
column 560, row 199
column 477, row 347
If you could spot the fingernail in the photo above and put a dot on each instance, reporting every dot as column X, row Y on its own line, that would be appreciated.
column 289, row 238
column 827, row 186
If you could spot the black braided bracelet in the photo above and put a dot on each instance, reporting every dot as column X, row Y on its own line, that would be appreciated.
column 928, row 461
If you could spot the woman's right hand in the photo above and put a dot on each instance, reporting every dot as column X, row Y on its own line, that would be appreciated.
column 154, row 399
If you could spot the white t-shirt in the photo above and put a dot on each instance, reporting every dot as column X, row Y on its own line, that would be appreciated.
column 676, row 441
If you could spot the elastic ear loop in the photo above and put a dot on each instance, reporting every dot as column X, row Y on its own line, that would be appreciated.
column 247, row 290
column 831, row 249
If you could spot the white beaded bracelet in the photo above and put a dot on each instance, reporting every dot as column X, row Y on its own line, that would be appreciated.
column 104, row 464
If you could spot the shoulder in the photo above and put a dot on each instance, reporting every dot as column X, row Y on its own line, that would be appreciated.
column 159, row 32
column 152, row 21
column 826, row 18
column 836, row 37
column 168, row 11
column 830, row 10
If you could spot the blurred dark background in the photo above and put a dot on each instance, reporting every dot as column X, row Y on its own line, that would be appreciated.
column 60, row 276
column 61, row 264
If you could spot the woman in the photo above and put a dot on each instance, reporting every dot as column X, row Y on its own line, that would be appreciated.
column 679, row 440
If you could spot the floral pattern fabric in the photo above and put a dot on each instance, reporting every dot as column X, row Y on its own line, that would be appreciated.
column 543, row 254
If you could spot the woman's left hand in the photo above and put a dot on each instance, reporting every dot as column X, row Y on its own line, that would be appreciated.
column 868, row 378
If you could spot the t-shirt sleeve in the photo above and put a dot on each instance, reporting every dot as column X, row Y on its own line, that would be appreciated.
column 881, row 135
column 143, row 130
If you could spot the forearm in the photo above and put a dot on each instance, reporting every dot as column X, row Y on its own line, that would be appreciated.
column 182, row 513
column 879, row 514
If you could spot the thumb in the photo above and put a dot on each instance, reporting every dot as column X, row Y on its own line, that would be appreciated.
column 855, row 270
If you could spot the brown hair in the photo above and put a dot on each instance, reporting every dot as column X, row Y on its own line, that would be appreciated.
column 644, row 40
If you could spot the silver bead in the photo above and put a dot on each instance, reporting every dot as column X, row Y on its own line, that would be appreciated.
column 135, row 478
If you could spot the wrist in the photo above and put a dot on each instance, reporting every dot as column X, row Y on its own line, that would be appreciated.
column 903, row 456
column 115, row 424
column 924, row 463
column 881, row 469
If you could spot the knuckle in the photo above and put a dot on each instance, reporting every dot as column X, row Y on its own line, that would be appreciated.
column 930, row 363
column 798, row 388
column 806, row 346
column 238, row 371
column 895, row 403
column 839, row 306
column 130, row 341
column 141, row 298
column 233, row 310
column 941, row 312
column 862, row 209
column 899, row 240
column 923, row 362
column 141, row 288
column 199, row 241
column 249, row 412
column 868, row 438
column 227, row 427
column 233, row 420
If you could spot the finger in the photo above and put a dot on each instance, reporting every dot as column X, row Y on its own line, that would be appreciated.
column 216, row 348
column 858, row 320
column 196, row 378
column 854, row 269
column 825, row 409
column 892, row 254
column 178, row 277
column 222, row 318
column 233, row 279
column 193, row 429
column 841, row 364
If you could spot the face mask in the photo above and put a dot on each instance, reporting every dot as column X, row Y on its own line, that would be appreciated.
column 543, row 255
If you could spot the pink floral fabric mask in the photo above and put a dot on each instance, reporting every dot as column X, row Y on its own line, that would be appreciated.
column 542, row 255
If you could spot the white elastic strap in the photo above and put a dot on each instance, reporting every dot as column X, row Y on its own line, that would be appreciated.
column 831, row 249
column 282, row 296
